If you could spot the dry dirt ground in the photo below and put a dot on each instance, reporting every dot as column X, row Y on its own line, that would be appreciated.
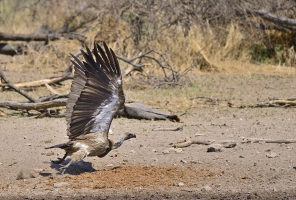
column 148, row 167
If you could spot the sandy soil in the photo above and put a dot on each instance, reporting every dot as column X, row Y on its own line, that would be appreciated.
column 149, row 168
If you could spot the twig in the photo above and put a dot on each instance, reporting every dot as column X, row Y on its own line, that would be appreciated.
column 168, row 129
column 133, row 65
column 52, row 97
column 10, row 85
column 53, row 91
column 188, row 141
column 277, row 103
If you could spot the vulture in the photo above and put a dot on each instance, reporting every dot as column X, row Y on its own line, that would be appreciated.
column 96, row 96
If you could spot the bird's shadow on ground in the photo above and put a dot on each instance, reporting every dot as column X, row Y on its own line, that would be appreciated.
column 74, row 169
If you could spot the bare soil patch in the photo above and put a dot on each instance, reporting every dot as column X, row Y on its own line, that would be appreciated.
column 148, row 167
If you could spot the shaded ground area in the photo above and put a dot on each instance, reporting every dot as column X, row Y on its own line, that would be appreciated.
column 148, row 167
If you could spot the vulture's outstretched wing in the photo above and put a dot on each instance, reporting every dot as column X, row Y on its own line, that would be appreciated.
column 96, row 92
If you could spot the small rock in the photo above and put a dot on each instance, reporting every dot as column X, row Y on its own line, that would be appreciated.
column 215, row 148
column 241, row 157
column 206, row 188
column 28, row 144
column 178, row 150
column 181, row 184
column 26, row 174
column 166, row 152
column 187, row 189
column 61, row 184
column 38, row 170
column 110, row 131
column 132, row 151
column 50, row 153
column 227, row 143
column 272, row 169
column 271, row 154
column 199, row 134
column 183, row 161
column 25, row 137
column 154, row 150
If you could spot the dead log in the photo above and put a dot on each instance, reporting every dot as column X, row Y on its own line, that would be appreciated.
column 279, row 141
column 33, row 106
column 40, row 37
column 135, row 109
column 140, row 111
column 279, row 20
column 12, row 49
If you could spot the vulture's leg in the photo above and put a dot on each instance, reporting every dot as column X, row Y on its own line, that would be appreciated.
column 77, row 156
column 63, row 168
column 60, row 160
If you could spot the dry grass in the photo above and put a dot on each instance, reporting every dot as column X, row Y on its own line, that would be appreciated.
column 227, row 48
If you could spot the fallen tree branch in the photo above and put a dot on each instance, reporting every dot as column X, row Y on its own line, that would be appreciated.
column 40, row 37
column 283, row 103
column 10, row 85
column 277, row 103
column 53, row 91
column 279, row 20
column 188, row 141
column 52, row 97
column 33, row 106
column 141, row 111
column 134, row 109
column 279, row 141
column 42, row 82
column 12, row 49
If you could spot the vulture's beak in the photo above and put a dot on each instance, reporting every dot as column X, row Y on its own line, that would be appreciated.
column 131, row 135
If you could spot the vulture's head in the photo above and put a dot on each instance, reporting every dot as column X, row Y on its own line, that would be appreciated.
column 127, row 136
column 123, row 137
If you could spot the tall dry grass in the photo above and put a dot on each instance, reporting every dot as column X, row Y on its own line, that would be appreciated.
column 223, row 47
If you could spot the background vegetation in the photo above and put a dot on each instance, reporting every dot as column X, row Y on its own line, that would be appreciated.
column 186, row 37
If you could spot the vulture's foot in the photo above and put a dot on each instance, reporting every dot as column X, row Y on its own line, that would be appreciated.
column 60, row 160
column 64, row 167
column 77, row 156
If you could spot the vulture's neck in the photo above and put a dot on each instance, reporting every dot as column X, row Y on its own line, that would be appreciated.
column 119, row 142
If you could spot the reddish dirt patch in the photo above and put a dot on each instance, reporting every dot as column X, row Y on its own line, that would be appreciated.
column 129, row 177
